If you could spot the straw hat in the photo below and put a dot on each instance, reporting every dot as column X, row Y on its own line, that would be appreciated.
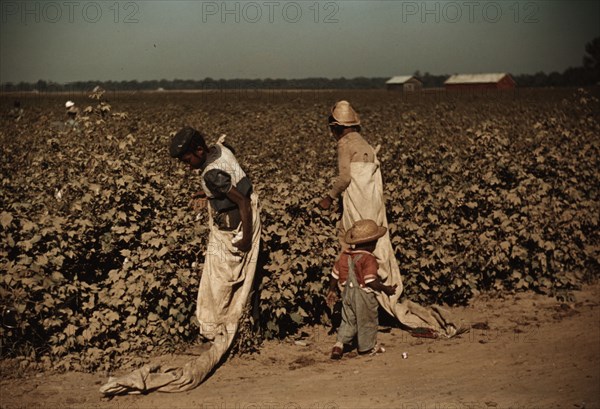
column 344, row 115
column 69, row 104
column 364, row 231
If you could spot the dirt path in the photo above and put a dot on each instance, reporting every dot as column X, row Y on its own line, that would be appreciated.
column 527, row 351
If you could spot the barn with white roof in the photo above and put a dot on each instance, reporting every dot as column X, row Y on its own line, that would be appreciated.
column 404, row 83
column 480, row 81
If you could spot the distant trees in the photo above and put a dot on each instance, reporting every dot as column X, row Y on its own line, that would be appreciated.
column 591, row 61
column 205, row 84
column 587, row 74
column 429, row 80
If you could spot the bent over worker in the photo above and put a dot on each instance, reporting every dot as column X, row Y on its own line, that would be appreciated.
column 229, row 264
column 234, row 238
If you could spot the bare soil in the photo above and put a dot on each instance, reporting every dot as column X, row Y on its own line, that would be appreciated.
column 522, row 351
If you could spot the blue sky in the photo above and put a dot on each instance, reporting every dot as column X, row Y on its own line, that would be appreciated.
column 73, row 40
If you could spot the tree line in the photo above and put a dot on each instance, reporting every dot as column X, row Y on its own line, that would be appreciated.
column 571, row 77
column 585, row 75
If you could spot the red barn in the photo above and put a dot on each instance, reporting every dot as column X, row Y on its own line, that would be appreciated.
column 463, row 82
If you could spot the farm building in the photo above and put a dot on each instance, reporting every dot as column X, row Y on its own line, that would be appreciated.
column 480, row 81
column 408, row 83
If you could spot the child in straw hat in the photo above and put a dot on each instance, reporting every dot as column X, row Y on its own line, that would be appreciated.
column 355, row 273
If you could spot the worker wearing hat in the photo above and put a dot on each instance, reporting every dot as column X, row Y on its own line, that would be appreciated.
column 224, row 182
column 355, row 273
column 72, row 110
column 360, row 186
column 344, row 124
column 234, row 233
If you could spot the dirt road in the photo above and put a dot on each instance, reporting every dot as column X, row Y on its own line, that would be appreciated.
column 523, row 351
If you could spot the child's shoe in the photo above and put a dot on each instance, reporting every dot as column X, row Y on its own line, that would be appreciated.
column 377, row 349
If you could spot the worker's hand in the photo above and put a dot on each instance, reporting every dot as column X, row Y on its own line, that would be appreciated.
column 198, row 201
column 325, row 203
column 390, row 289
column 332, row 298
column 244, row 245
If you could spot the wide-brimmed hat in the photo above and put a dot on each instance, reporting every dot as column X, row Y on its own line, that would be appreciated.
column 343, row 114
column 69, row 104
column 364, row 231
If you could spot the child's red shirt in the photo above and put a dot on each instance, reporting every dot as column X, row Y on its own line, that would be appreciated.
column 365, row 268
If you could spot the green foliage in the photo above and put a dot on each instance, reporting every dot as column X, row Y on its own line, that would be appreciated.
column 97, row 246
column 300, row 249
column 500, row 205
column 101, row 256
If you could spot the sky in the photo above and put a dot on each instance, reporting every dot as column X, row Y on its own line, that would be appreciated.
column 71, row 40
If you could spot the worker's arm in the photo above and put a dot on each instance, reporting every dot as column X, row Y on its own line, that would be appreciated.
column 244, row 205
